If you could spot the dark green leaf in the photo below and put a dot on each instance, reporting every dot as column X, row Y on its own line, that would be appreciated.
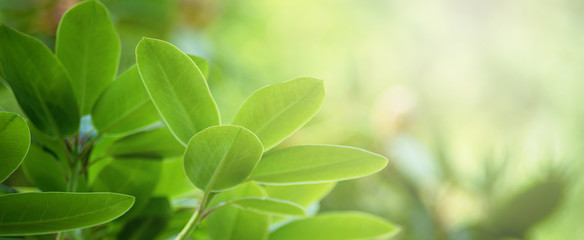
column 336, row 226
column 316, row 163
column 124, row 106
column 89, row 48
column 39, row 82
column 37, row 213
column 177, row 88
column 136, row 177
column 14, row 143
column 221, row 157
column 275, row 112
column 44, row 171
column 150, row 222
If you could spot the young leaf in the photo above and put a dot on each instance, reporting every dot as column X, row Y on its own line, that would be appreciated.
column 275, row 112
column 43, row 170
column 334, row 226
column 316, row 163
column 268, row 206
column 48, row 212
column 39, row 82
column 89, row 48
column 303, row 195
column 177, row 88
column 221, row 157
column 232, row 223
column 156, row 143
column 14, row 143
column 201, row 63
column 124, row 106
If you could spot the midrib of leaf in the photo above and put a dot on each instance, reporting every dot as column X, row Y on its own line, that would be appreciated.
column 84, row 78
column 125, row 115
column 220, row 166
column 181, row 106
column 62, row 218
column 279, row 113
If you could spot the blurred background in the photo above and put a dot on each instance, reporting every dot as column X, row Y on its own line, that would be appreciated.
column 476, row 103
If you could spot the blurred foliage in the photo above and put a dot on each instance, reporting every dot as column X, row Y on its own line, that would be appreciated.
column 476, row 102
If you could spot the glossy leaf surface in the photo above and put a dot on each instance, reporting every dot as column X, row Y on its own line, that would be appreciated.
column 14, row 143
column 177, row 88
column 232, row 223
column 316, row 163
column 124, row 106
column 40, row 83
column 156, row 143
column 275, row 112
column 221, row 157
column 336, row 226
column 36, row 213
column 89, row 48
column 202, row 64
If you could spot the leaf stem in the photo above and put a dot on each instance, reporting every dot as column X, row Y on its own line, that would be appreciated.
column 195, row 219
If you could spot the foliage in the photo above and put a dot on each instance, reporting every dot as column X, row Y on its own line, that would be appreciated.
column 102, row 143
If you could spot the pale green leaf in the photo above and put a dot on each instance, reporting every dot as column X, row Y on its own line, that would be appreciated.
column 268, row 206
column 37, row 213
column 336, row 226
column 155, row 143
column 232, row 223
column 124, row 106
column 14, row 143
column 89, row 48
column 40, row 83
column 202, row 64
column 275, row 112
column 221, row 157
column 316, row 163
column 173, row 181
column 303, row 195
column 177, row 88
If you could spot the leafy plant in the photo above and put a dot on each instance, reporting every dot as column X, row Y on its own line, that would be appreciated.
column 102, row 147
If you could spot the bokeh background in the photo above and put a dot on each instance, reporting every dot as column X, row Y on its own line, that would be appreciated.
column 477, row 103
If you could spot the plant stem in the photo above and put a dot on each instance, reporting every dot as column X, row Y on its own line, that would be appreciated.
column 195, row 219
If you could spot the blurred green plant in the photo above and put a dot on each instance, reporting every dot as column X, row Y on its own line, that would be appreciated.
column 102, row 148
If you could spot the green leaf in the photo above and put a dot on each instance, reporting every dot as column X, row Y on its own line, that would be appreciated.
column 221, row 157
column 124, row 106
column 268, row 206
column 14, row 143
column 177, row 88
column 275, row 112
column 232, row 223
column 173, row 181
column 89, row 48
column 136, row 177
column 528, row 208
column 316, row 163
column 202, row 64
column 156, row 143
column 150, row 222
column 335, row 226
column 44, row 171
column 39, row 82
column 303, row 195
column 37, row 213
